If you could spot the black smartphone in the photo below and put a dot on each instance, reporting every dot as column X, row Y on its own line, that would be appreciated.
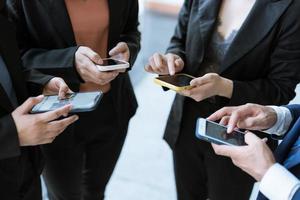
column 81, row 102
column 176, row 82
column 215, row 133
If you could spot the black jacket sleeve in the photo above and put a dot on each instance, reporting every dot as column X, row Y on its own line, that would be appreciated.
column 284, row 69
column 55, row 62
column 178, row 41
column 9, row 141
column 131, row 35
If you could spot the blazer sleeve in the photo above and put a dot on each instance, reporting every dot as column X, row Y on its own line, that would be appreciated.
column 9, row 141
column 131, row 35
column 284, row 70
column 295, row 111
column 56, row 62
column 296, row 195
column 178, row 40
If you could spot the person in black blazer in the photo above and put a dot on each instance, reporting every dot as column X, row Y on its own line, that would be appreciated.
column 20, row 132
column 80, row 162
column 278, row 172
column 241, row 52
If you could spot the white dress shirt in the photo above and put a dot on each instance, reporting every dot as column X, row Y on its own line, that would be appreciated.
column 278, row 183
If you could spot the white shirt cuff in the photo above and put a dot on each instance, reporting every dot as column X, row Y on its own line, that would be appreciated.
column 284, row 120
column 279, row 184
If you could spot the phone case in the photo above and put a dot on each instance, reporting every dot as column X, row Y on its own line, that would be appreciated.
column 173, row 87
column 101, row 68
column 37, row 109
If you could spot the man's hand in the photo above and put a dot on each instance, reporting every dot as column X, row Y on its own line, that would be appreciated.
column 255, row 158
column 168, row 64
column 249, row 116
column 86, row 60
column 37, row 129
column 207, row 86
column 57, row 86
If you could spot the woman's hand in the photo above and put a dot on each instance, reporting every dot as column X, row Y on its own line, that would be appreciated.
column 57, row 86
column 168, row 64
column 120, row 52
column 86, row 60
column 255, row 158
column 209, row 85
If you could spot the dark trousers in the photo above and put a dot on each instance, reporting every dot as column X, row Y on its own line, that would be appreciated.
column 19, row 179
column 81, row 169
column 200, row 174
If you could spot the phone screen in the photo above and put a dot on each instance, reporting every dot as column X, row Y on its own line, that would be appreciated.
column 108, row 62
column 219, row 132
column 177, row 80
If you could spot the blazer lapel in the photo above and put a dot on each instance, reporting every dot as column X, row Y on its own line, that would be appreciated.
column 260, row 21
column 60, row 18
column 204, row 23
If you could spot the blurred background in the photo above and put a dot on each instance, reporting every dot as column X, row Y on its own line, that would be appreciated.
column 145, row 168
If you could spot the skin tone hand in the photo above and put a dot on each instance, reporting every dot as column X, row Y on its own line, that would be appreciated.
column 255, row 158
column 57, row 86
column 37, row 129
column 168, row 64
column 86, row 60
column 209, row 85
column 120, row 52
column 249, row 116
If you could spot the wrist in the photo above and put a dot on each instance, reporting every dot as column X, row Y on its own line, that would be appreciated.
column 226, row 88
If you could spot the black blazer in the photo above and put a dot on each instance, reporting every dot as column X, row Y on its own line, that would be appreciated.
column 47, row 42
column 263, row 60
column 14, row 159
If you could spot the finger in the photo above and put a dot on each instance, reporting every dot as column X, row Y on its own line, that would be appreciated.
column 224, row 121
column 157, row 69
column 179, row 63
column 224, row 150
column 61, row 125
column 27, row 106
column 171, row 64
column 120, row 48
column 93, row 56
column 148, row 68
column 227, row 111
column 265, row 140
column 158, row 60
column 251, row 138
column 201, row 80
column 63, row 90
column 53, row 115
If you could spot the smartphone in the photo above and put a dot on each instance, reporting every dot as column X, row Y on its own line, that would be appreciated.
column 215, row 133
column 81, row 102
column 176, row 82
column 110, row 64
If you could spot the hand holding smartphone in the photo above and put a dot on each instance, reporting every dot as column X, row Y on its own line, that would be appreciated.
column 110, row 64
column 178, row 82
column 81, row 102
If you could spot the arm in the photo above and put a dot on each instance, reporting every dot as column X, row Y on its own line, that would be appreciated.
column 131, row 35
column 279, row 183
column 9, row 142
column 283, row 74
column 177, row 44
column 58, row 62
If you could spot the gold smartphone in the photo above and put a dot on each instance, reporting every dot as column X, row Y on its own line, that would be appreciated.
column 176, row 82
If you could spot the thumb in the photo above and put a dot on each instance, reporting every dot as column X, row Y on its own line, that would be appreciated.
column 27, row 106
column 63, row 90
column 251, row 138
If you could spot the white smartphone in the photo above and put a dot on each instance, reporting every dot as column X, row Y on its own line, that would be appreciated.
column 215, row 133
column 110, row 64
column 81, row 102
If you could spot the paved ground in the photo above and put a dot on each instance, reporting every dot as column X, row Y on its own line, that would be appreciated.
column 144, row 171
